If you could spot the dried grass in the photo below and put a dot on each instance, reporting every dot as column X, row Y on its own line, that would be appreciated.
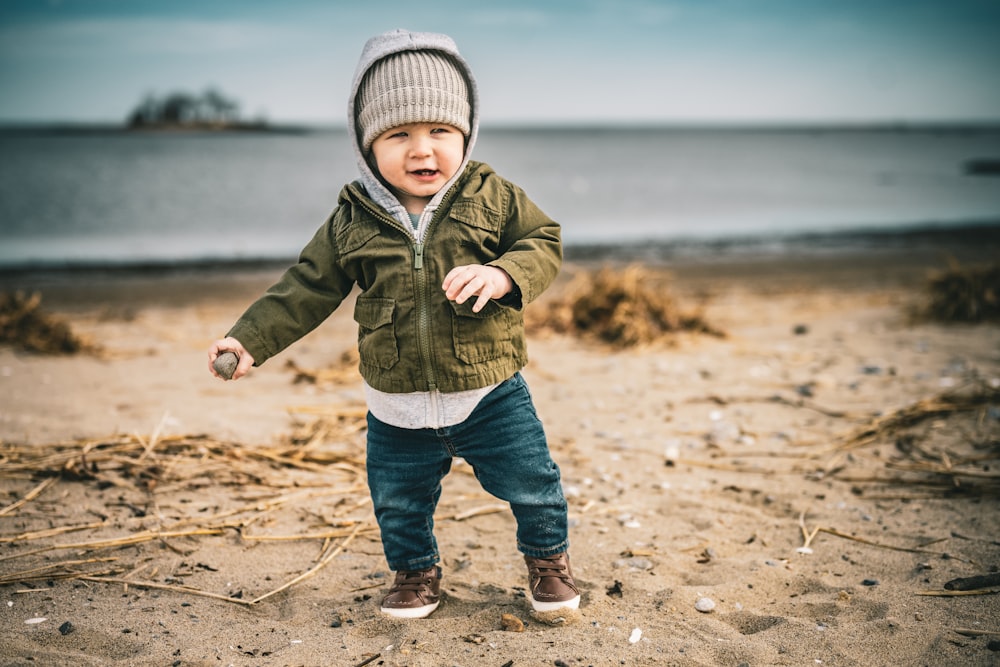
column 943, row 445
column 345, row 371
column 949, row 443
column 23, row 324
column 962, row 294
column 623, row 308
column 152, row 493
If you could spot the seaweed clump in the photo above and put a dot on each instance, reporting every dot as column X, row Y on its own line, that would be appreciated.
column 964, row 294
column 623, row 308
column 24, row 325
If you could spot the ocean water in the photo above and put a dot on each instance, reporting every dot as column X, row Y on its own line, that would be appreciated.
column 115, row 198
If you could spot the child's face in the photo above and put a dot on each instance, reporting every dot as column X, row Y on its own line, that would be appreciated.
column 416, row 160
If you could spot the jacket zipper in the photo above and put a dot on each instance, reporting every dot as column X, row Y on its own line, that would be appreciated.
column 423, row 318
column 422, row 302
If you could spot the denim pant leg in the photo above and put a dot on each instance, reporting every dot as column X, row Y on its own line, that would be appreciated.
column 405, row 468
column 504, row 442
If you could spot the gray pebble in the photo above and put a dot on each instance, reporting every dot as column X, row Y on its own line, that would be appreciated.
column 225, row 364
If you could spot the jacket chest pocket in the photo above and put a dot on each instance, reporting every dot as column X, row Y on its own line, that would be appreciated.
column 376, row 332
column 478, row 228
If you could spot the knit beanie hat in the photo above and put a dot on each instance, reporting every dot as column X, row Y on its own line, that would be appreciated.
column 411, row 87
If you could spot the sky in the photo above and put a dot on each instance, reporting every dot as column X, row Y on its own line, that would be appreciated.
column 536, row 61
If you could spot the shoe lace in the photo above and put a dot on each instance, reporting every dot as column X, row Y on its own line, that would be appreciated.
column 413, row 581
column 541, row 567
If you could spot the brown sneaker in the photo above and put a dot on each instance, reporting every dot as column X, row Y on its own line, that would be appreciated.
column 550, row 583
column 414, row 593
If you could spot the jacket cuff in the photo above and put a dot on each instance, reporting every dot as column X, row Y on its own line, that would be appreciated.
column 251, row 340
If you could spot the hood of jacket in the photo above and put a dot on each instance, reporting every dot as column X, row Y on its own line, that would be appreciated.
column 375, row 49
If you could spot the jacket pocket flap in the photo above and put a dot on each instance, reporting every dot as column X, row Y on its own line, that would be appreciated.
column 491, row 309
column 476, row 216
column 372, row 313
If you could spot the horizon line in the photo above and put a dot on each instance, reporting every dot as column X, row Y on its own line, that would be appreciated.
column 529, row 125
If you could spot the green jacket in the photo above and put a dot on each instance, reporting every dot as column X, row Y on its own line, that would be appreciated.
column 410, row 337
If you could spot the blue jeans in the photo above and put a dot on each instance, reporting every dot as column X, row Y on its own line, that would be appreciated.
column 505, row 444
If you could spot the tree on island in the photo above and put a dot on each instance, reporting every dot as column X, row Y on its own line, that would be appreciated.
column 180, row 109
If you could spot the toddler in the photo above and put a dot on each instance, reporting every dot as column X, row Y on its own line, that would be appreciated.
column 446, row 254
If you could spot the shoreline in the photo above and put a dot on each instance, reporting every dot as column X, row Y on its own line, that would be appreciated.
column 970, row 242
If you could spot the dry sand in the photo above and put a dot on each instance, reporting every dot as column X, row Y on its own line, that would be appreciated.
column 694, row 470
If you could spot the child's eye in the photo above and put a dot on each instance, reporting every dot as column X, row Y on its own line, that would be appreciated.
column 440, row 130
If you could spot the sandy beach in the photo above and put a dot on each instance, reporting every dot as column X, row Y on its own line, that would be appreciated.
column 798, row 491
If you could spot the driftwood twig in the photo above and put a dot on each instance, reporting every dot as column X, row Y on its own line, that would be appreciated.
column 973, row 583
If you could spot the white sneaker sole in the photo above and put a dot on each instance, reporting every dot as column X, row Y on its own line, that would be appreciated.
column 573, row 603
column 410, row 612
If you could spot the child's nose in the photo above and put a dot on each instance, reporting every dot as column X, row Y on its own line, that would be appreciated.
column 420, row 146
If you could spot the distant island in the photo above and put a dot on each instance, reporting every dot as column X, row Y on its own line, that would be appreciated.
column 211, row 110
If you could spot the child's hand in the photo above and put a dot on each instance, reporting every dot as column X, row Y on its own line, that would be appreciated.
column 230, row 345
column 486, row 282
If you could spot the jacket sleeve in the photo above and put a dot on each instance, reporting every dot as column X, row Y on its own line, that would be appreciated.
column 533, row 248
column 305, row 295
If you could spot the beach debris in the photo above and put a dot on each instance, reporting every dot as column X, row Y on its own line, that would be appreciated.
column 22, row 323
column 344, row 371
column 869, row 582
column 614, row 590
column 272, row 481
column 705, row 605
column 947, row 470
column 961, row 294
column 634, row 563
column 707, row 555
column 723, row 432
column 473, row 639
column 621, row 307
column 635, row 636
column 973, row 583
column 560, row 616
column 66, row 628
column 511, row 623
column 672, row 452
column 35, row 621
column 369, row 659
column 806, row 390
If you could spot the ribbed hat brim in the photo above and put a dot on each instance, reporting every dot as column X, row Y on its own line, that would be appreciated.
column 412, row 87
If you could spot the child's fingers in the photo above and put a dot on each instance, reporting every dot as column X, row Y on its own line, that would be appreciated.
column 242, row 368
column 484, row 298
column 464, row 282
column 457, row 279
column 478, row 285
